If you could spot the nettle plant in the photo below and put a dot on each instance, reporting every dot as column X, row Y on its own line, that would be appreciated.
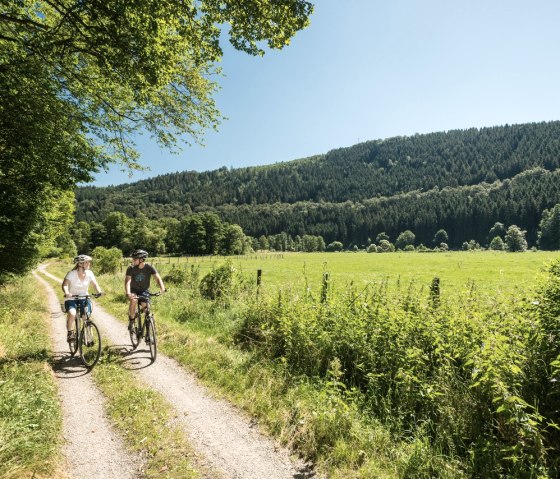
column 476, row 378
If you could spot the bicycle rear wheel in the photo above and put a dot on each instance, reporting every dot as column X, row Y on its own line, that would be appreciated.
column 90, row 344
column 136, row 331
column 151, row 338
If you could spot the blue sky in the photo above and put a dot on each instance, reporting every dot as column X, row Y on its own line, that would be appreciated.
column 374, row 69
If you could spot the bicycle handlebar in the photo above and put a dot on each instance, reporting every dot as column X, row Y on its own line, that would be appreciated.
column 148, row 294
column 85, row 296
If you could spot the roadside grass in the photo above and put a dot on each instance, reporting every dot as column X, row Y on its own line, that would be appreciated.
column 30, row 416
column 320, row 413
column 143, row 417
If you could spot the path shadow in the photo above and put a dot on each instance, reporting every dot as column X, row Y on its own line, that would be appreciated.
column 66, row 366
column 131, row 359
column 305, row 472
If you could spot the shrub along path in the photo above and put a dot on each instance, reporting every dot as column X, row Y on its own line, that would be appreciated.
column 92, row 448
column 224, row 437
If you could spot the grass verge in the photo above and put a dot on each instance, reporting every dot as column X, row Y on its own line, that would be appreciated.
column 30, row 416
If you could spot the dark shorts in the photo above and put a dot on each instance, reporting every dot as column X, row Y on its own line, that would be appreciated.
column 142, row 295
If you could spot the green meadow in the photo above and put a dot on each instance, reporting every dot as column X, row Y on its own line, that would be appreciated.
column 493, row 272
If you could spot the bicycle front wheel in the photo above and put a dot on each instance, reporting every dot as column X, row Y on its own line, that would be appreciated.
column 151, row 338
column 90, row 344
column 136, row 331
column 73, row 342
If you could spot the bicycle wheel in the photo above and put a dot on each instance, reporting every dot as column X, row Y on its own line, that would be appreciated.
column 151, row 338
column 73, row 343
column 136, row 331
column 90, row 344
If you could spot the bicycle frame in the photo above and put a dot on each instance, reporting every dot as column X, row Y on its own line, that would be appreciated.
column 86, row 332
column 146, row 328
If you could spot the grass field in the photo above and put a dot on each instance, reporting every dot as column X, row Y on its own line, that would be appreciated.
column 493, row 272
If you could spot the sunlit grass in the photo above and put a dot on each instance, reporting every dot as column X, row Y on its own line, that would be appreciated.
column 30, row 416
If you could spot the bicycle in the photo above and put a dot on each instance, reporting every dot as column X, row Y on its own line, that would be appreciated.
column 86, row 339
column 144, row 329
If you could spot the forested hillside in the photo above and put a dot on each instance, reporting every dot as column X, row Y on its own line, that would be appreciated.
column 462, row 181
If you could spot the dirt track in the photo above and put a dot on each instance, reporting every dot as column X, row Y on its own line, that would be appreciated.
column 218, row 432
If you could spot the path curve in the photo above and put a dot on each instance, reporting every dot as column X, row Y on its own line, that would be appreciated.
column 217, row 431
column 92, row 448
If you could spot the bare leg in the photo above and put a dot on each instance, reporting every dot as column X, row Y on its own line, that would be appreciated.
column 132, row 308
column 70, row 316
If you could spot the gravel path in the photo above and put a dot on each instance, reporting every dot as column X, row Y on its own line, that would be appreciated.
column 217, row 431
column 93, row 449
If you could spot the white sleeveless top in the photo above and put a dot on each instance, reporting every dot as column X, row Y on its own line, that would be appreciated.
column 77, row 286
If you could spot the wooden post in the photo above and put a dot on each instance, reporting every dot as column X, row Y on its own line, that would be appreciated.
column 435, row 292
column 259, row 280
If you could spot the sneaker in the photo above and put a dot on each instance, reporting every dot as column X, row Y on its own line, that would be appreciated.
column 131, row 325
column 70, row 336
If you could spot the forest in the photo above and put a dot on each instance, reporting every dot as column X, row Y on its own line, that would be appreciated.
column 461, row 181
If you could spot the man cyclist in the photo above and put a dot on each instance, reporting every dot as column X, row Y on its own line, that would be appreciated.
column 76, row 283
column 137, row 281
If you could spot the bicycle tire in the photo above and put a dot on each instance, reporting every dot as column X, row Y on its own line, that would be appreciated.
column 73, row 343
column 90, row 344
column 136, row 333
column 151, row 337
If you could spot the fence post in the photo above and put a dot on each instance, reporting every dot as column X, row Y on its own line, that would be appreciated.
column 435, row 292
column 259, row 280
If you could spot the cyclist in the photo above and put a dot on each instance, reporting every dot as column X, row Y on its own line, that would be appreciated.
column 76, row 283
column 137, row 281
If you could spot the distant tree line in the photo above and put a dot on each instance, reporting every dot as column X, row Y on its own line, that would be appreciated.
column 206, row 234
column 374, row 169
column 461, row 182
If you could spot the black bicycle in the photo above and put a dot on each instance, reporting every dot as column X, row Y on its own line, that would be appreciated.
column 147, row 328
column 86, row 338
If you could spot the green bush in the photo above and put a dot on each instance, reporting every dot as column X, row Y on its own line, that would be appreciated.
column 218, row 283
column 106, row 260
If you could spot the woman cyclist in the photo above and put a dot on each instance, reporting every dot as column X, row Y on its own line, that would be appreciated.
column 76, row 283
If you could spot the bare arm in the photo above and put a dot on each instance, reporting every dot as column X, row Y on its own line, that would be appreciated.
column 96, row 286
column 127, row 280
column 65, row 285
column 159, row 281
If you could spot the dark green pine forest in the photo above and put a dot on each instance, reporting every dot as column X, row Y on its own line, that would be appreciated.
column 462, row 181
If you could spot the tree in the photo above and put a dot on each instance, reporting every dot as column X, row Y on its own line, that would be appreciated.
column 515, row 239
column 440, row 237
column 263, row 242
column 382, row 236
column 549, row 229
column 79, row 79
column 193, row 235
column 385, row 246
column 335, row 246
column 106, row 260
column 214, row 232
column 233, row 241
column 497, row 230
column 497, row 244
column 405, row 239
